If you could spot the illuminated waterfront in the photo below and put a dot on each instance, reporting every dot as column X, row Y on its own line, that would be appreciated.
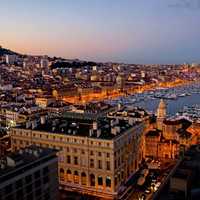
column 173, row 105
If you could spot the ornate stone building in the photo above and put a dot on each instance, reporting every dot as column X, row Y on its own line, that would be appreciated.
column 96, row 156
column 169, row 136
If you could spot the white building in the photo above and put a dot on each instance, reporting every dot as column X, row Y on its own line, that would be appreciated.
column 10, row 59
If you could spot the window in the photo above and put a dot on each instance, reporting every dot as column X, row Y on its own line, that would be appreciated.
column 19, row 194
column 92, row 163
column 99, row 164
column 115, row 164
column 68, row 159
column 28, row 188
column 38, row 192
column 82, row 151
column 76, row 177
column 99, row 153
column 19, row 184
column 46, row 179
column 108, row 165
column 92, row 180
column 62, row 174
column 28, row 179
column 91, row 153
column 37, row 174
column 108, row 155
column 8, row 189
column 45, row 170
column 83, row 178
column 100, row 180
column 75, row 150
column 47, row 196
column 115, row 180
column 69, row 176
column 38, row 183
column 108, row 181
column 76, row 160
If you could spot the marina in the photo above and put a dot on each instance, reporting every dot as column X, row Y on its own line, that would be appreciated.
column 176, row 98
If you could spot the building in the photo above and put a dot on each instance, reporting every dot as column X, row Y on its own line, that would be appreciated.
column 14, row 115
column 168, row 137
column 183, row 180
column 29, row 174
column 44, row 63
column 11, row 59
column 161, row 114
column 97, row 154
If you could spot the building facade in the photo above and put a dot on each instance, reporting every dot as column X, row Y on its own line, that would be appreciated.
column 96, row 164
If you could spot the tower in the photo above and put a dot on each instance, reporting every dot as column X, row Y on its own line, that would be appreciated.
column 161, row 114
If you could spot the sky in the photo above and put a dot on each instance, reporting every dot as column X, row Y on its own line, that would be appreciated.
column 130, row 31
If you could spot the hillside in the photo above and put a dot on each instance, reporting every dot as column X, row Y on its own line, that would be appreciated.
column 6, row 51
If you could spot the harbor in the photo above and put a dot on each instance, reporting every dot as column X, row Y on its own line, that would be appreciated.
column 175, row 98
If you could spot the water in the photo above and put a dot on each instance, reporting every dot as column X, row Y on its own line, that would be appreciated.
column 173, row 106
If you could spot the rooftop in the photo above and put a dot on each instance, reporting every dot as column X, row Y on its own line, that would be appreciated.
column 18, row 162
column 85, row 125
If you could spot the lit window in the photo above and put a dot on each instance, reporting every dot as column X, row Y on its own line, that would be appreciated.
column 108, row 181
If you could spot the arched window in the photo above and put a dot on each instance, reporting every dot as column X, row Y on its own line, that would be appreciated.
column 83, row 178
column 108, row 181
column 100, row 180
column 92, row 180
column 62, row 174
column 69, row 176
column 76, row 177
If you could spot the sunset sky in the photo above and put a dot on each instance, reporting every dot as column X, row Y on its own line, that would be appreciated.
column 131, row 31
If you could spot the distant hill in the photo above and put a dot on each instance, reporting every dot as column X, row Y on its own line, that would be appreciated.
column 6, row 51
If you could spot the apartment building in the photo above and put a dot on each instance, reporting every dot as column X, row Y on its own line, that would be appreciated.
column 29, row 174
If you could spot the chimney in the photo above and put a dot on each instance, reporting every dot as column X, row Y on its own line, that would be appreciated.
column 94, row 125
column 35, row 153
column 43, row 119
column 118, row 129
column 114, row 130
column 98, row 133
column 131, row 121
column 28, row 124
column 119, row 106
column 112, row 122
column 90, row 132
column 34, row 124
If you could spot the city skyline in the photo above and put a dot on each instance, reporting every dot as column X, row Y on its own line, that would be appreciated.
column 130, row 32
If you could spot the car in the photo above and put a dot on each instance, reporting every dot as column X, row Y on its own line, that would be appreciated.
column 155, row 189
column 158, row 184
column 142, row 197
column 147, row 191
column 153, row 180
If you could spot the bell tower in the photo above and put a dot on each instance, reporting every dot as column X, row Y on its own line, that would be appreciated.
column 161, row 114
